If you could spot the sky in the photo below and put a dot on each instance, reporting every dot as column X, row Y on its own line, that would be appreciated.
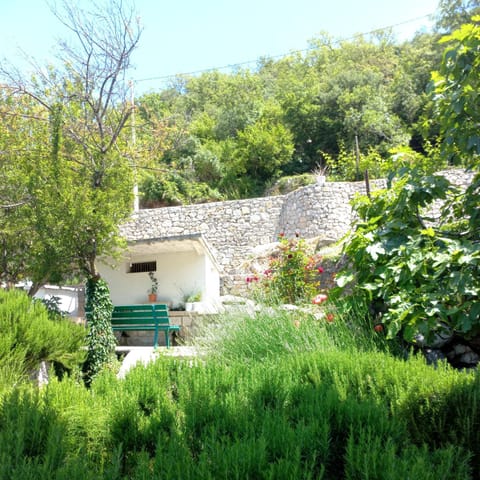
column 185, row 36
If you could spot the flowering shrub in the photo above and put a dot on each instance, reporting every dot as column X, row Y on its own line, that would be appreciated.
column 319, row 299
column 292, row 275
column 329, row 317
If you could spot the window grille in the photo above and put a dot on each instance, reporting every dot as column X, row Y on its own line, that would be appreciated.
column 143, row 267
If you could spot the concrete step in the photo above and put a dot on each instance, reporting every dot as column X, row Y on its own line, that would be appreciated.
column 145, row 355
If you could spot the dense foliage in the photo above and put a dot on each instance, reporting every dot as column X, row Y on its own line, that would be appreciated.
column 232, row 135
column 292, row 274
column 100, row 338
column 424, row 276
column 330, row 410
column 30, row 335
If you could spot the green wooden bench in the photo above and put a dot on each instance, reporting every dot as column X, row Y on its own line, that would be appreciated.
column 144, row 317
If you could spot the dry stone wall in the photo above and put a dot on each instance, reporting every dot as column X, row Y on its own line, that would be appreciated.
column 321, row 210
column 231, row 228
column 234, row 229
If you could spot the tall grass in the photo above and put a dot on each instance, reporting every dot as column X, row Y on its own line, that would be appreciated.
column 273, row 332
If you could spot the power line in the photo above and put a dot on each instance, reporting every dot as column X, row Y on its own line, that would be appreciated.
column 282, row 55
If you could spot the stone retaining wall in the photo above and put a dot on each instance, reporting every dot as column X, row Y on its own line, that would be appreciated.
column 233, row 229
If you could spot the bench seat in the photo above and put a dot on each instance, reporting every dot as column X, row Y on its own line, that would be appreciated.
column 150, row 317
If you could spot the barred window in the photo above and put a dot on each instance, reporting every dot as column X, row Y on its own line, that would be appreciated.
column 143, row 267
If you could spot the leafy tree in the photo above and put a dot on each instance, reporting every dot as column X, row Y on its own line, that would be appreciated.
column 455, row 87
column 422, row 278
column 85, row 182
column 232, row 101
column 293, row 86
column 263, row 148
column 454, row 13
column 426, row 276
column 86, row 100
column 31, row 235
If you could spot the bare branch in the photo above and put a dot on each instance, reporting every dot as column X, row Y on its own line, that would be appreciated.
column 15, row 205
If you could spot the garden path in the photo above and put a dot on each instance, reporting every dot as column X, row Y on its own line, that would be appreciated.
column 145, row 355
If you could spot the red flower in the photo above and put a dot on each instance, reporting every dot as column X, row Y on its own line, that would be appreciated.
column 329, row 317
column 378, row 328
column 320, row 298
column 281, row 234
column 320, row 269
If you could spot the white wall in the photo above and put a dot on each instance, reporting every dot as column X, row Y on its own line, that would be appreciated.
column 68, row 297
column 179, row 274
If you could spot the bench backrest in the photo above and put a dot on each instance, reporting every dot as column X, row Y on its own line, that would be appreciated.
column 141, row 314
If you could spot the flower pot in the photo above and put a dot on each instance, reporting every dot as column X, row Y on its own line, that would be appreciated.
column 193, row 306
column 152, row 297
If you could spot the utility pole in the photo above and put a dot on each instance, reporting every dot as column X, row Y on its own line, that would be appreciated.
column 136, row 202
column 357, row 159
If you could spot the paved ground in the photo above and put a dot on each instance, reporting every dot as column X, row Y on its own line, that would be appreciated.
column 145, row 355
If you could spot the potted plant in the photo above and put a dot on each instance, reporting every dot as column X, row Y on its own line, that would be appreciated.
column 191, row 301
column 152, row 292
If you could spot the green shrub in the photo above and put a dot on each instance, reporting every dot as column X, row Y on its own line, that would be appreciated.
column 421, row 277
column 325, row 414
column 290, row 183
column 30, row 336
column 344, row 167
column 292, row 275
column 278, row 399
column 368, row 455
column 175, row 188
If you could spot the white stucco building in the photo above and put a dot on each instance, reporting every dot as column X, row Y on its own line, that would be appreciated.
column 183, row 266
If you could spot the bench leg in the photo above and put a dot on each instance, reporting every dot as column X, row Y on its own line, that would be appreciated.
column 155, row 339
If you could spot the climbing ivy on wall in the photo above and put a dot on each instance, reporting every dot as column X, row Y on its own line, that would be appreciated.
column 100, row 338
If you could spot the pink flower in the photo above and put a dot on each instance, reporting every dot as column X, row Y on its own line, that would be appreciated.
column 320, row 269
column 320, row 298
